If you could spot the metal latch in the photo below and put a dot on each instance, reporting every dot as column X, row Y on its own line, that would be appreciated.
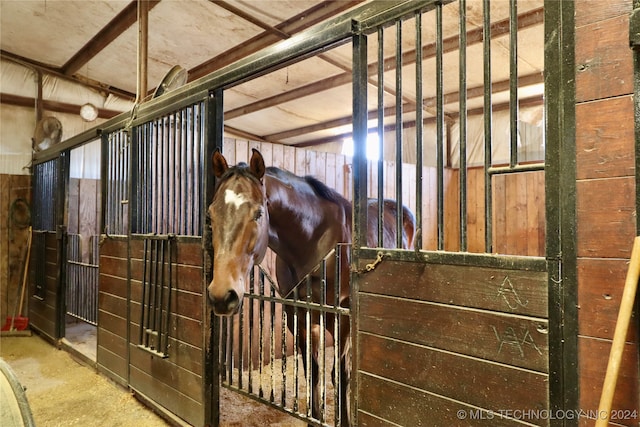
column 634, row 29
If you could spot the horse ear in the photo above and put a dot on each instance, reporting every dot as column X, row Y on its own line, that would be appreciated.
column 256, row 164
column 220, row 165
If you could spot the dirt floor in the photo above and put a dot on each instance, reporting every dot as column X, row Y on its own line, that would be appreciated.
column 65, row 392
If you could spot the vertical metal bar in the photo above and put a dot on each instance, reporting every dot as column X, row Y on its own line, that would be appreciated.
column 440, row 126
column 308, row 345
column 336, row 339
column 513, row 82
column 295, row 350
column 283, row 344
column 272, row 328
column 360, row 117
column 463, row 124
column 488, row 127
column 261, row 332
column 144, row 291
column 231, row 348
column 399, row 138
column 241, row 333
column 251, row 328
column 322, row 350
column 380, row 184
column 419, row 132
column 169, row 291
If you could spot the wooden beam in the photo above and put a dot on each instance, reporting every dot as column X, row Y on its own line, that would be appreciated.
column 475, row 92
column 54, row 106
column 302, row 21
column 55, row 72
column 526, row 102
column 118, row 25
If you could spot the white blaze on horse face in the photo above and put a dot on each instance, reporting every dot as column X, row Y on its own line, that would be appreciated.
column 233, row 198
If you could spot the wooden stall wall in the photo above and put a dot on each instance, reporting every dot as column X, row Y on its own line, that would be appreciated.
column 112, row 358
column 43, row 304
column 175, row 382
column 452, row 343
column 606, row 210
column 13, row 241
column 83, row 211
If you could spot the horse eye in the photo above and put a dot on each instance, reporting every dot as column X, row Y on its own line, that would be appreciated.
column 257, row 215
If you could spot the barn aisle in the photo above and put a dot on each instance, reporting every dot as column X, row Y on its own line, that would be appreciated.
column 64, row 392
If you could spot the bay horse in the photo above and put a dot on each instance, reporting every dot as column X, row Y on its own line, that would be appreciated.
column 301, row 220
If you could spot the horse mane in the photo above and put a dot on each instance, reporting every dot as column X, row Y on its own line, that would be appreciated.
column 321, row 189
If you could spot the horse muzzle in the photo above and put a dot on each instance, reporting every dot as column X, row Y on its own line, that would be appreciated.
column 226, row 304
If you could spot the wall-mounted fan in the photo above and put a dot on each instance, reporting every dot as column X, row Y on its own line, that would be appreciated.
column 48, row 132
column 176, row 77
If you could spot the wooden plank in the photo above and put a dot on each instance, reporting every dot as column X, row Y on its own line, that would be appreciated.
column 164, row 370
column 594, row 355
column 112, row 365
column 411, row 407
column 513, row 340
column 112, row 323
column 167, row 397
column 112, row 304
column 451, row 210
column 589, row 11
column 114, row 343
column 605, row 217
column 469, row 380
column 604, row 62
column 181, row 328
column 73, row 200
column 499, row 215
column 605, row 138
column 509, row 291
column 601, row 284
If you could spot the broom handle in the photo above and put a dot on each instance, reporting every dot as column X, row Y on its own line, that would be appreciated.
column 26, row 272
column 619, row 336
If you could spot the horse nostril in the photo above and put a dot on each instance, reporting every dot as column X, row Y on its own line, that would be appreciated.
column 231, row 300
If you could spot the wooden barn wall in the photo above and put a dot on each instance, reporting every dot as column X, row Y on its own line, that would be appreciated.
column 605, row 197
column 451, row 343
column 13, row 243
column 42, row 311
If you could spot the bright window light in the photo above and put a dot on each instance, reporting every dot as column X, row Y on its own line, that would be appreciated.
column 372, row 147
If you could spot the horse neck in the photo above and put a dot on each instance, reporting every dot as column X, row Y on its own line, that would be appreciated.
column 297, row 243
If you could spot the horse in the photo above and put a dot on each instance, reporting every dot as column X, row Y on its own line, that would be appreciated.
column 301, row 220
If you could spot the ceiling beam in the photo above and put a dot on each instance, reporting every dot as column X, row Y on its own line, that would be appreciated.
column 302, row 21
column 47, row 69
column 526, row 102
column 118, row 25
column 449, row 98
column 53, row 106
column 498, row 29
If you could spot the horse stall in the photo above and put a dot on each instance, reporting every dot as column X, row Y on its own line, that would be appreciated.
column 502, row 309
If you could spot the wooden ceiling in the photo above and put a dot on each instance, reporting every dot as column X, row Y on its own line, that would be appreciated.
column 95, row 43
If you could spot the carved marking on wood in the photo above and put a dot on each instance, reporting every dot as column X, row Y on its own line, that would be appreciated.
column 510, row 295
column 510, row 337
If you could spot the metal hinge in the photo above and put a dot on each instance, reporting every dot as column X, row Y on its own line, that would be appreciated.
column 634, row 29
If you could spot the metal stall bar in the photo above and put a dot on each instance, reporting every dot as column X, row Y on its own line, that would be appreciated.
column 488, row 126
column 417, row 242
column 440, row 146
column 399, row 138
column 380, row 162
column 462, row 28
column 513, row 82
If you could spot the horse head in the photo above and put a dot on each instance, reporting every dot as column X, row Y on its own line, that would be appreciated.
column 239, row 229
